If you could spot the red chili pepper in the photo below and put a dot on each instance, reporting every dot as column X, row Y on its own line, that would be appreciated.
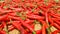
column 39, row 32
column 32, row 26
column 55, row 32
column 44, row 9
column 54, row 15
column 46, row 15
column 28, row 21
column 12, row 14
column 2, row 32
column 26, row 25
column 56, row 21
column 56, row 25
column 3, row 17
column 43, row 29
column 43, row 13
column 15, row 18
column 29, row 8
column 43, row 22
column 50, row 21
column 1, row 26
column 2, row 4
column 35, row 17
column 30, row 11
column 11, row 28
column 19, row 27
column 17, row 1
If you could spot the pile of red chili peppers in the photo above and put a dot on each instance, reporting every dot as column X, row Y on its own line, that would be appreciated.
column 24, row 14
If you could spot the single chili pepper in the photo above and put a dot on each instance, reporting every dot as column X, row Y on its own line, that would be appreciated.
column 28, row 21
column 46, row 15
column 12, row 14
column 3, row 17
column 56, row 19
column 43, row 29
column 17, row 9
column 44, row 9
column 50, row 21
column 15, row 18
column 35, row 17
